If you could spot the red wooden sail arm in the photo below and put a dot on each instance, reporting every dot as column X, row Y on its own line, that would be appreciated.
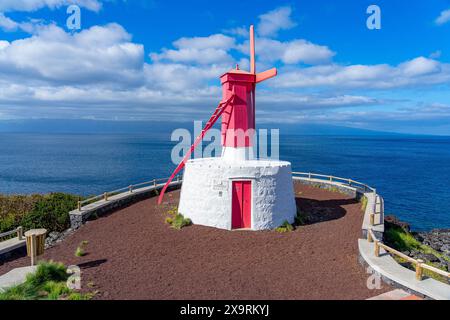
column 216, row 115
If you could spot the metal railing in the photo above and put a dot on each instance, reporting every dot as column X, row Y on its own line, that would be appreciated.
column 132, row 187
column 349, row 182
column 18, row 232
column 419, row 264
column 378, row 204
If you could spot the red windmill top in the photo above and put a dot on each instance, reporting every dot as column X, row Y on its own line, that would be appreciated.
column 237, row 109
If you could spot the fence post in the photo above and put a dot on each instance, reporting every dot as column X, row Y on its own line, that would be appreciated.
column 419, row 269
column 79, row 205
column 105, row 196
column 33, row 249
column 377, row 248
column 369, row 236
column 20, row 233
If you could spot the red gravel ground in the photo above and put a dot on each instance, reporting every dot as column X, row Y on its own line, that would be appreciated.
column 133, row 254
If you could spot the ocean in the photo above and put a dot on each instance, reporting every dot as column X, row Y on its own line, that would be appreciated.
column 412, row 173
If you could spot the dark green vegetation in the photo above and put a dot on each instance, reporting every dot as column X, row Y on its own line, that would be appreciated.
column 47, row 283
column 50, row 211
column 405, row 241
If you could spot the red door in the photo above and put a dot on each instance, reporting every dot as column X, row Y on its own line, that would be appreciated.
column 241, row 205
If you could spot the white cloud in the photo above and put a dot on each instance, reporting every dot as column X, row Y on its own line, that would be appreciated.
column 95, row 55
column 7, row 24
column 420, row 66
column 33, row 5
column 101, row 73
column 273, row 21
column 215, row 41
column 416, row 72
column 238, row 31
column 289, row 52
column 200, row 56
column 443, row 18
column 178, row 77
column 198, row 50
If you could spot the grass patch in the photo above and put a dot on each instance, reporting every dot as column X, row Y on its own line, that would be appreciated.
column 81, row 249
column 177, row 220
column 401, row 240
column 363, row 201
column 285, row 227
column 47, row 283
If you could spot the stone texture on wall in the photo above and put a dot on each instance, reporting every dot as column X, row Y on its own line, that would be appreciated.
column 116, row 202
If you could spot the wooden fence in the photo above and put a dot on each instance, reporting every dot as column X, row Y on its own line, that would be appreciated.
column 18, row 232
column 130, row 189
column 418, row 263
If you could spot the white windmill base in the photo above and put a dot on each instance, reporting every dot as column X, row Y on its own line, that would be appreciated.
column 206, row 192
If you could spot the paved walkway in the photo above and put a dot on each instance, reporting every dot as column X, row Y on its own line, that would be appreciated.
column 11, row 244
column 15, row 277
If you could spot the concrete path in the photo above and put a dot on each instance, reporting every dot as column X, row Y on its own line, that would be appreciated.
column 15, row 277
column 387, row 267
column 11, row 244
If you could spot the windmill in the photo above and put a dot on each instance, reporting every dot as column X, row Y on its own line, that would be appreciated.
column 237, row 169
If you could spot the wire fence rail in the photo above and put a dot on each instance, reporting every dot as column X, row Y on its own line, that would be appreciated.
column 378, row 205
column 349, row 182
column 130, row 189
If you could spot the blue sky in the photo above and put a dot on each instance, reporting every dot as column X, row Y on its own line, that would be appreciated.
column 160, row 60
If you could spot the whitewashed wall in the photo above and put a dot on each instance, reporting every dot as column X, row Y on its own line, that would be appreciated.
column 206, row 192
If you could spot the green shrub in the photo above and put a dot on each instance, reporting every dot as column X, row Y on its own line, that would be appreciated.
column 51, row 212
column 47, row 283
column 80, row 252
column 178, row 221
column 48, row 271
column 55, row 289
column 80, row 296
column 401, row 240
column 285, row 227
column 13, row 208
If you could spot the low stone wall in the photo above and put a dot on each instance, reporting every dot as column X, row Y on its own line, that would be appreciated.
column 115, row 202
column 328, row 185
